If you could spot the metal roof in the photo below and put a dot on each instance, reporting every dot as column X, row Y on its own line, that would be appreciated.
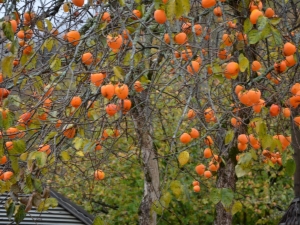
column 66, row 213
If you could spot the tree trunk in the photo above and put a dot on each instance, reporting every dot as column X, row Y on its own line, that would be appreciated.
column 296, row 147
column 226, row 179
column 142, row 118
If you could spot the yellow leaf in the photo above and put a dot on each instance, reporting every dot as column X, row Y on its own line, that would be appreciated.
column 183, row 158
column 66, row 7
column 80, row 153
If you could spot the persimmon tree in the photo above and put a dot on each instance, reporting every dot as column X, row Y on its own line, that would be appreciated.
column 148, row 110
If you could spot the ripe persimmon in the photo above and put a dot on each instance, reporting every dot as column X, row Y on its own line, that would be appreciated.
column 274, row 110
column 286, row 112
column 45, row 148
column 232, row 69
column 21, row 34
column 269, row 13
column 125, row 106
column 138, row 86
column 160, row 16
column 208, row 141
column 218, row 11
column 242, row 147
column 106, row 17
column 27, row 49
column 111, row 109
column 12, row 132
column 185, row 138
column 191, row 114
column 78, row 3
column 70, row 132
column 167, row 38
column 7, row 175
column 76, row 101
column 255, row 4
column 195, row 183
column 228, row 41
column 87, row 58
column 255, row 65
column 137, row 14
column 108, row 91
column 208, row 3
column 9, row 145
column 198, row 29
column 200, row 169
column 280, row 67
column 186, row 27
column 3, row 160
column 99, row 175
column 207, row 153
column 73, row 37
column 297, row 120
column 14, row 25
column 97, row 78
column 243, row 138
column 121, row 91
column 222, row 54
column 194, row 133
column 29, row 34
column 289, row 49
column 114, row 42
column 236, row 122
column 193, row 68
column 207, row 174
column 254, row 15
column 238, row 89
column 290, row 61
column 180, row 38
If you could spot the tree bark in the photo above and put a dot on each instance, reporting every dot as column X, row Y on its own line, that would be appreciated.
column 226, row 179
column 295, row 131
column 141, row 114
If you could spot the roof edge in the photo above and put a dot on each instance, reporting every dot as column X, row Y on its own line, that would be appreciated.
column 72, row 208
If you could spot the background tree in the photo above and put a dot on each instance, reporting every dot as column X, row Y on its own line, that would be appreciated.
column 162, row 112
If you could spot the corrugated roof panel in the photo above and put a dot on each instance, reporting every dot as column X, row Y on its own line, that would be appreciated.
column 67, row 213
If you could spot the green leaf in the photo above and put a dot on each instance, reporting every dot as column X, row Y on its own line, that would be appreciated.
column 14, row 163
column 226, row 197
column 290, row 167
column 183, row 158
column 170, row 9
column 237, row 207
column 186, row 6
column 98, row 221
column 247, row 25
column 29, row 182
column 49, row 25
column 65, row 156
column 265, row 32
column 215, row 195
column 261, row 129
column 10, row 211
column 56, row 64
column 229, row 136
column 243, row 62
column 176, row 188
column 19, row 146
column 245, row 159
column 178, row 9
column 50, row 136
column 8, row 31
column 7, row 66
column 254, row 36
column 40, row 25
column 122, row 2
column 41, row 158
column 48, row 44
column 37, row 185
column 261, row 22
column 277, row 36
column 240, row 171
column 51, row 202
column 119, row 72
column 274, row 21
column 253, row 154
column 20, row 215
column 266, row 141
